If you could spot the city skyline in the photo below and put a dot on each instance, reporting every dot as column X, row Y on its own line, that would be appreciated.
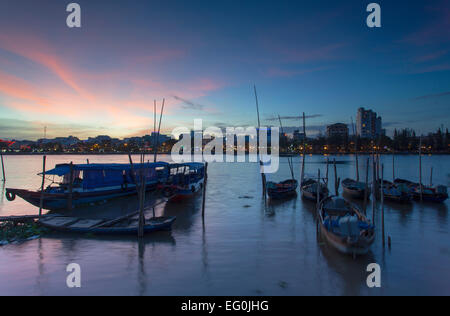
column 319, row 58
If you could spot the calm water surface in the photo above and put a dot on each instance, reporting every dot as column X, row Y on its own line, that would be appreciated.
column 243, row 248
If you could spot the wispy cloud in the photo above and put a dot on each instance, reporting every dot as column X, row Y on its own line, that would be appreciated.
column 433, row 96
column 189, row 104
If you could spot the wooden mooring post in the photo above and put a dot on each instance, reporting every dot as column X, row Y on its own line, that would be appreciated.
column 336, row 179
column 318, row 190
column 431, row 177
column 205, row 181
column 3, row 168
column 420, row 170
column 374, row 188
column 326, row 177
column 142, row 199
column 139, row 193
column 366, row 189
column 382, row 204
column 70, row 197
column 393, row 167
column 41, row 202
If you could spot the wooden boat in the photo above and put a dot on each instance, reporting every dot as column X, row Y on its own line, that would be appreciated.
column 396, row 193
column 355, row 189
column 309, row 190
column 125, row 226
column 282, row 190
column 344, row 227
column 92, row 183
column 437, row 194
column 184, row 180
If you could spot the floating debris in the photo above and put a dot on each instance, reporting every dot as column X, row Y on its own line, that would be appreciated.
column 283, row 284
column 11, row 233
column 246, row 197
column 247, row 206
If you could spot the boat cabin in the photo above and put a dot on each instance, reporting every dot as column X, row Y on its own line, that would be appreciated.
column 88, row 177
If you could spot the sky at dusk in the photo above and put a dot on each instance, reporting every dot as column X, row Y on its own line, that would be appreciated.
column 204, row 57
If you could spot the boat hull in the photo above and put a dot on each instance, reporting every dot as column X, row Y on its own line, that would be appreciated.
column 59, row 201
column 359, row 249
column 151, row 226
column 355, row 194
column 282, row 190
column 311, row 196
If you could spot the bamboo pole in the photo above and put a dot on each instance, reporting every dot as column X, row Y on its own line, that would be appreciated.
column 204, row 190
column 263, row 176
column 41, row 202
column 336, row 180
column 374, row 186
column 382, row 204
column 304, row 149
column 142, row 199
column 3, row 168
column 420, row 169
column 139, row 193
column 159, row 130
column 318, row 190
column 431, row 177
column 366, row 189
column 291, row 167
column 393, row 167
column 154, row 126
column 356, row 152
column 69, row 200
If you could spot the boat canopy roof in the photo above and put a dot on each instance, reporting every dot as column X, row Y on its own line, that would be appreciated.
column 63, row 169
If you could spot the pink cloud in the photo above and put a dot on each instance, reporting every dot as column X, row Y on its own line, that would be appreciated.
column 120, row 97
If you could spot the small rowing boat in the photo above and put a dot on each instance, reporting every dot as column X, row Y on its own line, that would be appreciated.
column 355, row 189
column 344, row 227
column 282, row 190
column 309, row 190
column 396, row 192
column 437, row 194
column 125, row 226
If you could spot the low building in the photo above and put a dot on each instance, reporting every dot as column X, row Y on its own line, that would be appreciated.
column 337, row 130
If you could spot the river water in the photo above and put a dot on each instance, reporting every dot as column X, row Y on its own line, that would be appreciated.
column 242, row 248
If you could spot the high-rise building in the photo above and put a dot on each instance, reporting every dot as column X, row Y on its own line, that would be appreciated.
column 368, row 124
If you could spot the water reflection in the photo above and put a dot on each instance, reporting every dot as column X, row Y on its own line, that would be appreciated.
column 352, row 272
column 242, row 240
column 2, row 197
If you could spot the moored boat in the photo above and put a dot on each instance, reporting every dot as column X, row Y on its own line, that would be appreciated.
column 344, row 227
column 309, row 190
column 437, row 194
column 184, row 180
column 396, row 192
column 355, row 189
column 282, row 189
column 91, row 183
column 125, row 226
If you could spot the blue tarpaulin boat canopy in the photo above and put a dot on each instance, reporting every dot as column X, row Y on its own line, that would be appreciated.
column 107, row 175
column 63, row 169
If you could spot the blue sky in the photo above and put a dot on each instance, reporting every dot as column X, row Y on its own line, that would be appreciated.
column 317, row 57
